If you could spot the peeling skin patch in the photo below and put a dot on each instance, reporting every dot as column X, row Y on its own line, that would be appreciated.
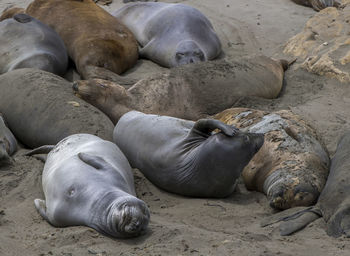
column 291, row 168
column 272, row 122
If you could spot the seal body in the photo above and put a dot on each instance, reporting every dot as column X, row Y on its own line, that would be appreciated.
column 8, row 143
column 41, row 109
column 318, row 5
column 88, row 181
column 182, row 156
column 189, row 92
column 292, row 166
column 170, row 34
column 333, row 204
column 28, row 43
column 97, row 42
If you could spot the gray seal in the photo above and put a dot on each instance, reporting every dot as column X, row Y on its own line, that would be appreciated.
column 88, row 181
column 40, row 109
column 8, row 143
column 27, row 43
column 184, row 157
column 170, row 34
column 333, row 204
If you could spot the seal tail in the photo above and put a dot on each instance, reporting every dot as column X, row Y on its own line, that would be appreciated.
column 294, row 219
column 40, row 150
column 286, row 64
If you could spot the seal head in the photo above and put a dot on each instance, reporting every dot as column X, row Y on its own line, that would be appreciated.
column 187, row 52
column 128, row 217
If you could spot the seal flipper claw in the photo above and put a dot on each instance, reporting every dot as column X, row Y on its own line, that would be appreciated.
column 206, row 126
column 95, row 161
column 40, row 205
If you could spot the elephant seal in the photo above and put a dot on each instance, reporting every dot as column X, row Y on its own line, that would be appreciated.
column 88, row 181
column 190, row 92
column 41, row 109
column 292, row 166
column 170, row 34
column 8, row 143
column 184, row 157
column 99, row 45
column 28, row 43
column 333, row 204
column 318, row 5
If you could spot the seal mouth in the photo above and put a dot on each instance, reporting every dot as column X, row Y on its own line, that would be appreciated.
column 130, row 218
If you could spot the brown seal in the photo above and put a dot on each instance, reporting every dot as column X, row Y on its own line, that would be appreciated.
column 292, row 166
column 10, row 12
column 190, row 91
column 96, row 41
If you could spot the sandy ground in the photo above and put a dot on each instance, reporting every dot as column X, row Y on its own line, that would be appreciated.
column 186, row 226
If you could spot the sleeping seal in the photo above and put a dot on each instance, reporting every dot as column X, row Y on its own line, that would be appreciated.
column 8, row 143
column 190, row 92
column 184, row 157
column 40, row 109
column 99, row 45
column 171, row 34
column 333, row 204
column 27, row 43
column 88, row 181
column 292, row 166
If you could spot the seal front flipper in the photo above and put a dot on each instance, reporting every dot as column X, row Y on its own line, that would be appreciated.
column 339, row 223
column 40, row 205
column 95, row 161
column 4, row 156
column 206, row 126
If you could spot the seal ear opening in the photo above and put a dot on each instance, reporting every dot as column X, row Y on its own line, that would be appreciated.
column 95, row 161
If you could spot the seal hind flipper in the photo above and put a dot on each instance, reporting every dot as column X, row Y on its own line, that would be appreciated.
column 40, row 205
column 40, row 150
column 95, row 161
column 93, row 72
column 283, row 215
column 206, row 126
column 294, row 219
column 290, row 226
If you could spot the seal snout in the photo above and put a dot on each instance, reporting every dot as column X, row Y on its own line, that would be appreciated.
column 131, row 218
